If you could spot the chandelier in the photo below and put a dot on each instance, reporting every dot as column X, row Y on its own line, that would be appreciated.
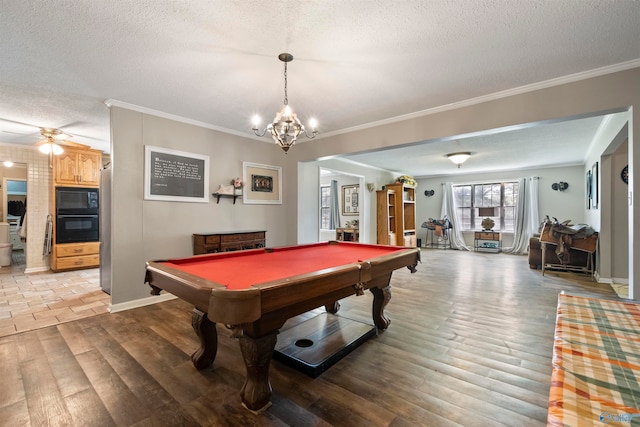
column 286, row 126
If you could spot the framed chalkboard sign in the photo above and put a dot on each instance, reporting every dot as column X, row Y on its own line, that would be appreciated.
column 172, row 175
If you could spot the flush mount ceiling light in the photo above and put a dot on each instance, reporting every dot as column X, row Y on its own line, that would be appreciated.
column 286, row 127
column 459, row 158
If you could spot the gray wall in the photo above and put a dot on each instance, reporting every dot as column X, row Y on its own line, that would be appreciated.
column 568, row 204
column 145, row 230
column 620, row 220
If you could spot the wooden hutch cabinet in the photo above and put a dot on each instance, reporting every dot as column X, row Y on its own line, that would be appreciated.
column 396, row 215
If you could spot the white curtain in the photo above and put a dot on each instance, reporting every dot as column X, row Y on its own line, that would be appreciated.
column 449, row 209
column 527, row 217
column 334, row 213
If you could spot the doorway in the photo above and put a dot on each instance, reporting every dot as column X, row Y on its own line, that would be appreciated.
column 14, row 205
column 343, row 190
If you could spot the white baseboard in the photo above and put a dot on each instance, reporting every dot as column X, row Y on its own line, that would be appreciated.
column 611, row 281
column 621, row 281
column 36, row 270
column 114, row 308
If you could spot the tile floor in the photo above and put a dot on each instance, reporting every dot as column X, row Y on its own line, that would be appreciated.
column 32, row 301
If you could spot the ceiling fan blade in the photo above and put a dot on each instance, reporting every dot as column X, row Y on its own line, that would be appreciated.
column 13, row 133
column 21, row 124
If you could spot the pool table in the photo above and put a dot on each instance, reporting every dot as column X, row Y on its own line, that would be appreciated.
column 254, row 292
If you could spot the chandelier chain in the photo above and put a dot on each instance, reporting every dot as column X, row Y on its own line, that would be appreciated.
column 286, row 100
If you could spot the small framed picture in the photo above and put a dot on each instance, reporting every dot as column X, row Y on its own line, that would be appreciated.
column 350, row 199
column 594, row 186
column 589, row 189
column 263, row 184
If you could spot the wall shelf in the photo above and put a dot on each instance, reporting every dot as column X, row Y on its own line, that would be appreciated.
column 228, row 196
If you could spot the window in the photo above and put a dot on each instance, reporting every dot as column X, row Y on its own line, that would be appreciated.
column 325, row 207
column 502, row 197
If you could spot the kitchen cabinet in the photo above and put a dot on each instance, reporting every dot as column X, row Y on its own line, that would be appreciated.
column 72, row 256
column 77, row 167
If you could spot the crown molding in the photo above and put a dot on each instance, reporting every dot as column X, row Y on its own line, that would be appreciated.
column 115, row 103
column 572, row 78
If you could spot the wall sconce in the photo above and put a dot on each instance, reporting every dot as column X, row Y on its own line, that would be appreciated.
column 371, row 186
column 429, row 193
column 560, row 186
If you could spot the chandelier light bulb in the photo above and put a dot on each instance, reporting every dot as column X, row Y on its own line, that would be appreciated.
column 256, row 121
column 287, row 111
column 313, row 123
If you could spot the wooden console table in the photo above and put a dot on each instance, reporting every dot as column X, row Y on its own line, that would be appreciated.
column 487, row 241
column 588, row 245
column 206, row 243
column 348, row 234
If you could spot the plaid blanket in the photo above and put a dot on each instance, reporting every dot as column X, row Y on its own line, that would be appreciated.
column 596, row 363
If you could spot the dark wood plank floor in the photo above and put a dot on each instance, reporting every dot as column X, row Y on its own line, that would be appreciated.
column 469, row 344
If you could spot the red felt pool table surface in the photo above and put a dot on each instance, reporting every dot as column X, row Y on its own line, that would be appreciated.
column 240, row 270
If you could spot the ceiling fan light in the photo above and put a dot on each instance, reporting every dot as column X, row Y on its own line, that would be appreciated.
column 57, row 150
column 45, row 148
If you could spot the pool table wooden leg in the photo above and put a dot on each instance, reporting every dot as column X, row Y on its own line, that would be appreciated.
column 381, row 297
column 256, row 391
column 333, row 307
column 206, row 331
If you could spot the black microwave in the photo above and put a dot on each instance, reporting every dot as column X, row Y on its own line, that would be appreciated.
column 77, row 201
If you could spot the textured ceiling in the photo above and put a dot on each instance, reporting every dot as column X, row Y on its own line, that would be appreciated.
column 356, row 62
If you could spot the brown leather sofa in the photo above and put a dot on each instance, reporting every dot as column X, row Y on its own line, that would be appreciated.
column 578, row 258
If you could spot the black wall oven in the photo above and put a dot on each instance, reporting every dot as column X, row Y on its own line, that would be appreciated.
column 77, row 215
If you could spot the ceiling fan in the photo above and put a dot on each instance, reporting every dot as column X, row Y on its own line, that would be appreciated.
column 53, row 140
